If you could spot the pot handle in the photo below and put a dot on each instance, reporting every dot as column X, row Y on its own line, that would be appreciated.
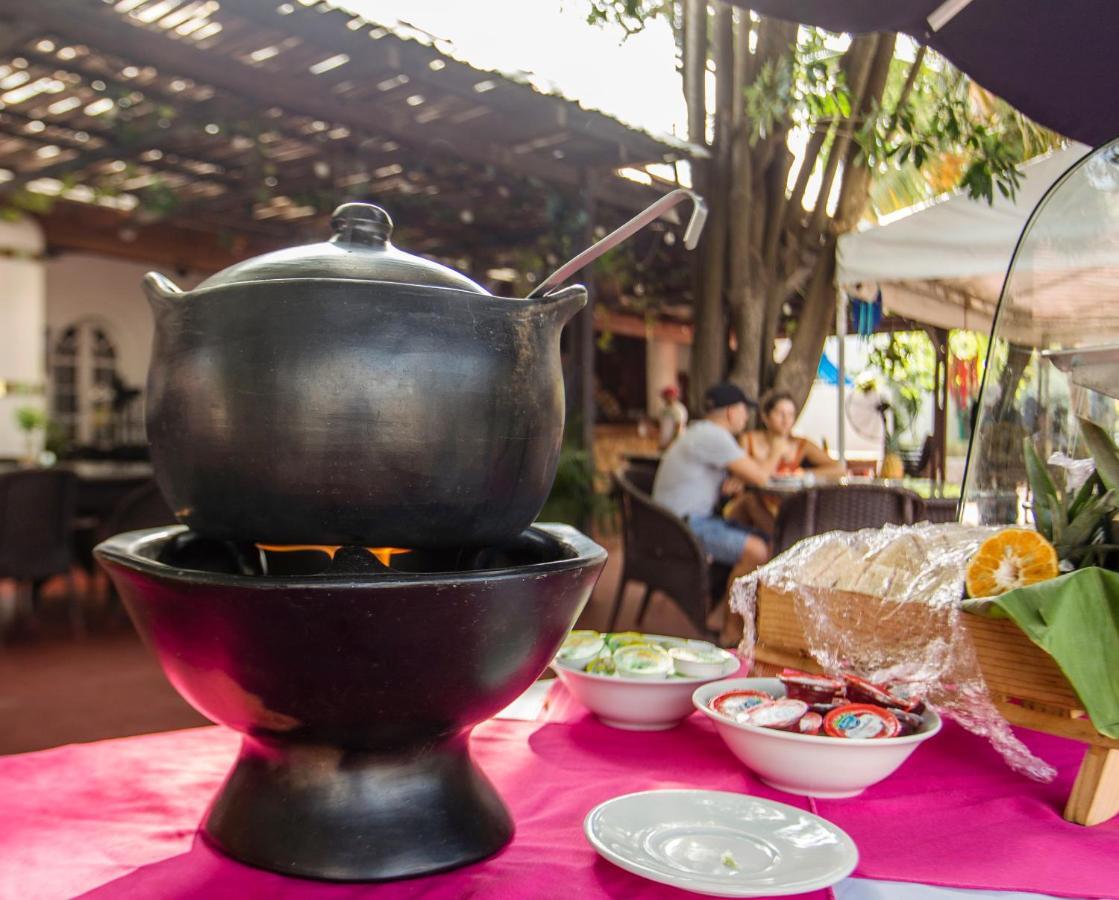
column 565, row 302
column 691, row 236
column 160, row 289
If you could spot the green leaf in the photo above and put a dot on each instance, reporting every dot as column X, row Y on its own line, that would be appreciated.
column 1042, row 487
column 1075, row 619
column 1087, row 489
column 1081, row 528
column 1057, row 520
column 1103, row 451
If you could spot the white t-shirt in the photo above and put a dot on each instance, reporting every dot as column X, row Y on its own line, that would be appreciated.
column 692, row 470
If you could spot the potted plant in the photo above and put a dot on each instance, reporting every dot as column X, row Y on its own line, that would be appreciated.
column 30, row 419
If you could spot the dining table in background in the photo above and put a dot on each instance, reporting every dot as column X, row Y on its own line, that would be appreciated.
column 103, row 483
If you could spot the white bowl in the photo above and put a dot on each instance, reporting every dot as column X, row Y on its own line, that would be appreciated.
column 810, row 765
column 636, row 704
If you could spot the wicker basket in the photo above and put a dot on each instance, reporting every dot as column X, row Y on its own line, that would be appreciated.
column 1026, row 684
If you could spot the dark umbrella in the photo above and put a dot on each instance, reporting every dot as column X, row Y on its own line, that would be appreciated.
column 1052, row 60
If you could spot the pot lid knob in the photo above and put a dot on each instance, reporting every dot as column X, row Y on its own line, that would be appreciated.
column 361, row 223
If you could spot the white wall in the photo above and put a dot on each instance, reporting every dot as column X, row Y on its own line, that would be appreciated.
column 22, row 323
column 109, row 292
column 661, row 366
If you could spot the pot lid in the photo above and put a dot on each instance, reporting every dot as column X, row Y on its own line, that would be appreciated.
column 360, row 250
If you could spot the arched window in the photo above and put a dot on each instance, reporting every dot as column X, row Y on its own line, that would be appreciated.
column 83, row 364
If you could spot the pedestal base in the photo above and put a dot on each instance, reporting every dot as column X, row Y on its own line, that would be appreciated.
column 321, row 811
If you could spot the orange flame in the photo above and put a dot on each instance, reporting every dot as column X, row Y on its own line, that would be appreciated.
column 291, row 548
column 384, row 555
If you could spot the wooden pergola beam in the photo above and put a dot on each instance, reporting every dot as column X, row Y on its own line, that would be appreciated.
column 456, row 78
column 82, row 228
column 92, row 26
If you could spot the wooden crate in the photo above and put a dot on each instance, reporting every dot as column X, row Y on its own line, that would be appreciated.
column 1026, row 684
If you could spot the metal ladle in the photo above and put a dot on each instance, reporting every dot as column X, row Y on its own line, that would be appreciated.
column 691, row 236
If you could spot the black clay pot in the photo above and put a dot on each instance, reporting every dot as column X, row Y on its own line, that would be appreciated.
column 349, row 393
column 355, row 695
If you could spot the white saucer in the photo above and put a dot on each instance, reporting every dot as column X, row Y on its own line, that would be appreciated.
column 719, row 843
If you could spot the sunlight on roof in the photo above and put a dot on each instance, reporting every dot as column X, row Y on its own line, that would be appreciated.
column 633, row 80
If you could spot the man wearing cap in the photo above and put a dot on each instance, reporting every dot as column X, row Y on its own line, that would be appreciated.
column 673, row 417
column 692, row 471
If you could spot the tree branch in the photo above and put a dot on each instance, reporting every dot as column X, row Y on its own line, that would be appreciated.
column 855, row 187
column 856, row 62
column 906, row 90
column 811, row 155
column 799, row 369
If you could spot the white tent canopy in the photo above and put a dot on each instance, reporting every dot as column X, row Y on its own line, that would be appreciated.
column 943, row 263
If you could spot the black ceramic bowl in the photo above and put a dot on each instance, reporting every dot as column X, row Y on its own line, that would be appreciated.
column 355, row 693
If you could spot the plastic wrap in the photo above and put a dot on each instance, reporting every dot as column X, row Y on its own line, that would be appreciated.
column 904, row 627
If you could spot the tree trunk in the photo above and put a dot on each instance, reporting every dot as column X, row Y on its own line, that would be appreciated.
column 757, row 197
column 695, row 80
column 798, row 372
column 867, row 66
column 709, row 348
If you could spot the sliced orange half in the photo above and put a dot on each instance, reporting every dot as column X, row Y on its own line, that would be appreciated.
column 1012, row 558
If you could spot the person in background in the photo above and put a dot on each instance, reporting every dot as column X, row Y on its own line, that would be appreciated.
column 690, row 478
column 673, row 417
column 778, row 416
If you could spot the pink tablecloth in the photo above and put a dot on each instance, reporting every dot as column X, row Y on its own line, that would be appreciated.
column 117, row 818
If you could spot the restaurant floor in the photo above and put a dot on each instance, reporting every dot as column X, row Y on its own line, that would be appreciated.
column 58, row 689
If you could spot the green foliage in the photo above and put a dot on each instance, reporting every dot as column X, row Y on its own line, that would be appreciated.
column 805, row 85
column 574, row 499
column 941, row 132
column 906, row 360
column 30, row 418
column 1103, row 453
column 950, row 133
column 1078, row 523
column 631, row 15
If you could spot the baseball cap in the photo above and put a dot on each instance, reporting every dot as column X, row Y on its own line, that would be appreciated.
column 670, row 391
column 725, row 394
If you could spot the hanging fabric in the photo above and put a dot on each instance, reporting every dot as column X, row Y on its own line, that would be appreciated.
column 866, row 313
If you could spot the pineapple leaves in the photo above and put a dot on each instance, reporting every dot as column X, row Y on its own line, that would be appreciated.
column 1076, row 523
column 1103, row 451
column 1045, row 497
column 1055, row 514
column 1087, row 490
column 1083, row 527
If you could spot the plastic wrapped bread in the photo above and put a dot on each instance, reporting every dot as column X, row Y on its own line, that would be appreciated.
column 886, row 603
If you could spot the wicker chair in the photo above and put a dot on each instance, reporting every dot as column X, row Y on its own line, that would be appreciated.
column 937, row 509
column 36, row 521
column 662, row 553
column 842, row 508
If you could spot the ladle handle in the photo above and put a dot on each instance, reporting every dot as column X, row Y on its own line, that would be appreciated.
column 691, row 236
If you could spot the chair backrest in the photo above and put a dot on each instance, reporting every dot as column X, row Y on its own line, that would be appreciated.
column 141, row 507
column 937, row 509
column 661, row 551
column 842, row 508
column 36, row 523
column 641, row 469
